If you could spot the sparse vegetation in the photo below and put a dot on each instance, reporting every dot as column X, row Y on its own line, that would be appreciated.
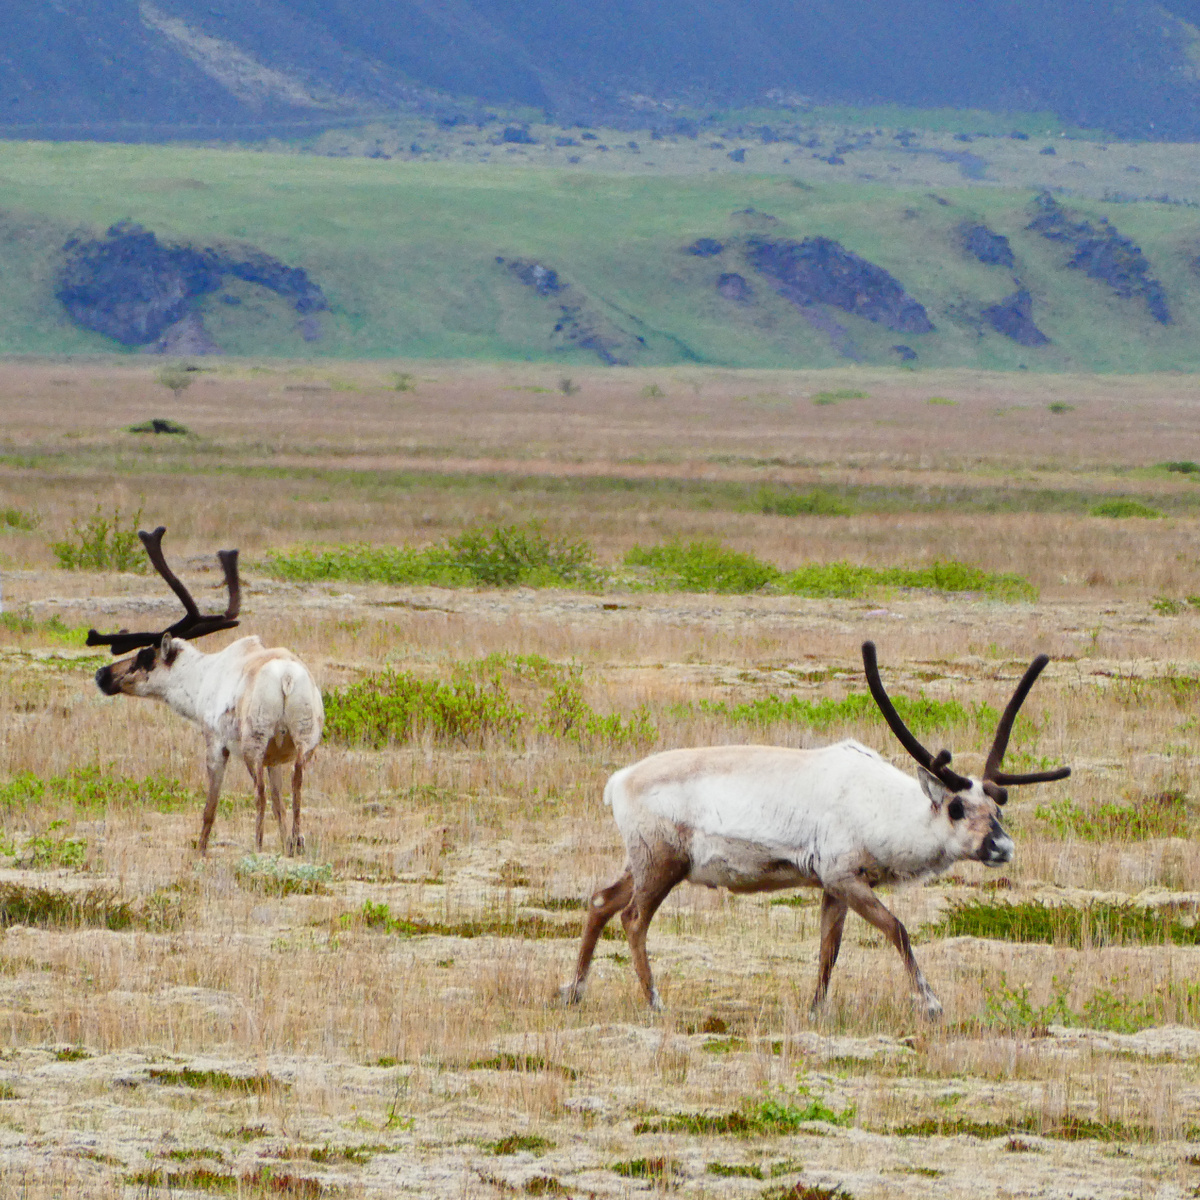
column 100, row 543
column 160, row 425
column 18, row 519
column 178, row 378
column 701, row 567
column 519, row 1143
column 1125, row 507
column 283, row 876
column 756, row 1118
column 839, row 394
column 1162, row 814
column 775, row 502
column 1059, row 407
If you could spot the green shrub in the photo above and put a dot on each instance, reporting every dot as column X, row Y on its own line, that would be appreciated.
column 392, row 706
column 504, row 556
column 1058, row 407
column 566, row 714
column 701, row 566
column 93, row 789
column 1124, row 508
column 51, row 908
column 283, row 876
column 1164, row 814
column 1166, row 607
column 757, row 1118
column 15, row 518
column 100, row 544
column 53, row 628
column 921, row 713
column 1100, row 923
column 1184, row 467
column 843, row 579
column 774, row 502
column 46, row 850
column 833, row 397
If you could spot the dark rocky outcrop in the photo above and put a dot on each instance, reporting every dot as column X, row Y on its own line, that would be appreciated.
column 981, row 243
column 705, row 247
column 1103, row 254
column 819, row 270
column 734, row 287
column 577, row 324
column 1013, row 317
column 142, row 292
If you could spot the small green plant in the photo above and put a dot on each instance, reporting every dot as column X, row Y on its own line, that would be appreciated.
column 755, row 1118
column 220, row 1081
column 661, row 1169
column 1011, row 1008
column 702, row 567
column 1158, row 815
column 843, row 579
column 653, row 392
column 1120, row 509
column 1166, row 607
column 519, row 1143
column 1058, row 407
column 15, row 518
column 392, row 706
column 525, row 1063
column 942, row 400
column 92, row 789
column 97, row 908
column 45, row 850
column 735, row 1171
column 160, row 425
column 833, row 397
column 72, row 1054
column 379, row 917
column 804, row 1191
column 773, row 502
column 283, row 876
column 1182, row 467
column 178, row 378
column 568, row 386
column 568, row 715
column 100, row 544
column 402, row 381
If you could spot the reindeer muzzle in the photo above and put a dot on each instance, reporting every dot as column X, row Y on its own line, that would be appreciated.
column 997, row 848
column 104, row 681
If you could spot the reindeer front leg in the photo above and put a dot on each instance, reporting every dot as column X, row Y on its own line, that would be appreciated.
column 218, row 756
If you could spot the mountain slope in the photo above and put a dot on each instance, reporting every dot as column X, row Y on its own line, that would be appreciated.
column 1127, row 68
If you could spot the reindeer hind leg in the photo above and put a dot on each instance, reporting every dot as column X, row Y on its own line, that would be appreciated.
column 296, row 841
column 275, row 775
column 833, row 919
column 662, row 873
column 604, row 905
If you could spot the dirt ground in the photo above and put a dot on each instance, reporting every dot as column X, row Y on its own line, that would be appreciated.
column 242, row 1039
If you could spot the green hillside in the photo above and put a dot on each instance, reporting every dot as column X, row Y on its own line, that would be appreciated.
column 406, row 254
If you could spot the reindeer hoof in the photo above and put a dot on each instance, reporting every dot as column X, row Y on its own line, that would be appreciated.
column 932, row 1008
column 656, row 1004
column 570, row 994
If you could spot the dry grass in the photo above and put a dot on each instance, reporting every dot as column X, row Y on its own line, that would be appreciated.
column 401, row 1062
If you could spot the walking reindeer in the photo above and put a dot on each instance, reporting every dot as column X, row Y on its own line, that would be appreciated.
column 841, row 818
column 261, row 704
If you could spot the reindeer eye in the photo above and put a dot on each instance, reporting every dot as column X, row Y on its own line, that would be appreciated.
column 955, row 809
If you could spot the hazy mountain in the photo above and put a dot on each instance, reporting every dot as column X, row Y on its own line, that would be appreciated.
column 101, row 64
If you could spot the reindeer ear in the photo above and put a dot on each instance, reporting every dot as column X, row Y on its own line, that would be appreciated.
column 166, row 649
column 934, row 788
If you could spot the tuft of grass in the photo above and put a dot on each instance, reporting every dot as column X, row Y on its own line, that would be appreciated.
column 1068, row 1129
column 524, row 1063
column 265, row 1180
column 283, row 876
column 1161, row 815
column 1165, row 606
column 544, row 1185
column 15, row 518
column 44, row 850
column 817, row 503
column 804, row 1191
column 566, row 714
column 102, row 544
column 1059, row 407
column 220, row 1081
column 72, row 1054
column 921, row 713
column 660, row 1169
column 833, row 397
column 519, row 1143
column 759, row 1118
column 1099, row 923
column 392, row 706
column 735, row 1170
column 1182, row 467
column 941, row 400
column 93, row 789
column 54, row 909
column 848, row 580
column 1119, row 509
column 501, row 556
column 379, row 917
column 160, row 425
column 702, row 566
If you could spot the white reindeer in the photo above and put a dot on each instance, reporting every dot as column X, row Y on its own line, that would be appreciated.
column 841, row 818
column 261, row 704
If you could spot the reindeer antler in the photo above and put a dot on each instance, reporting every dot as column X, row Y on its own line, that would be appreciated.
column 996, row 781
column 938, row 766
column 193, row 623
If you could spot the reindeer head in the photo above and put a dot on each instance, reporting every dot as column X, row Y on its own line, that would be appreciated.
column 971, row 806
column 138, row 675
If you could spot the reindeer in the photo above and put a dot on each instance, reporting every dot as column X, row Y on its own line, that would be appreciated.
column 248, row 700
column 841, row 818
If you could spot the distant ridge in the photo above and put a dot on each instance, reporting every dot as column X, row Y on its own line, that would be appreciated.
column 129, row 70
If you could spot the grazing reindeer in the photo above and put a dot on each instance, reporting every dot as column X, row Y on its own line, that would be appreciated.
column 759, row 818
column 259, row 703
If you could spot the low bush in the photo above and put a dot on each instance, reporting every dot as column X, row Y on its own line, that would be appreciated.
column 756, row 1118
column 1124, row 508
column 93, row 789
column 392, row 706
column 1163, row 814
column 774, row 502
column 849, row 580
column 283, row 876
column 833, row 397
column 1182, row 467
column 568, row 715
column 102, row 544
column 702, row 566
column 503, row 556
column 15, row 518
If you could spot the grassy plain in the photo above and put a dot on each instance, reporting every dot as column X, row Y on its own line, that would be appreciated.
column 380, row 1022
column 406, row 248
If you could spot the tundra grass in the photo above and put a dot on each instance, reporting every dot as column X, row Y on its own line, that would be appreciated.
column 755, row 1118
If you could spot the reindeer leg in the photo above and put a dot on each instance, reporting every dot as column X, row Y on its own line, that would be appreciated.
column 833, row 918
column 218, row 756
column 254, row 764
column 604, row 905
column 649, row 892
column 297, row 839
column 868, row 906
column 275, row 776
